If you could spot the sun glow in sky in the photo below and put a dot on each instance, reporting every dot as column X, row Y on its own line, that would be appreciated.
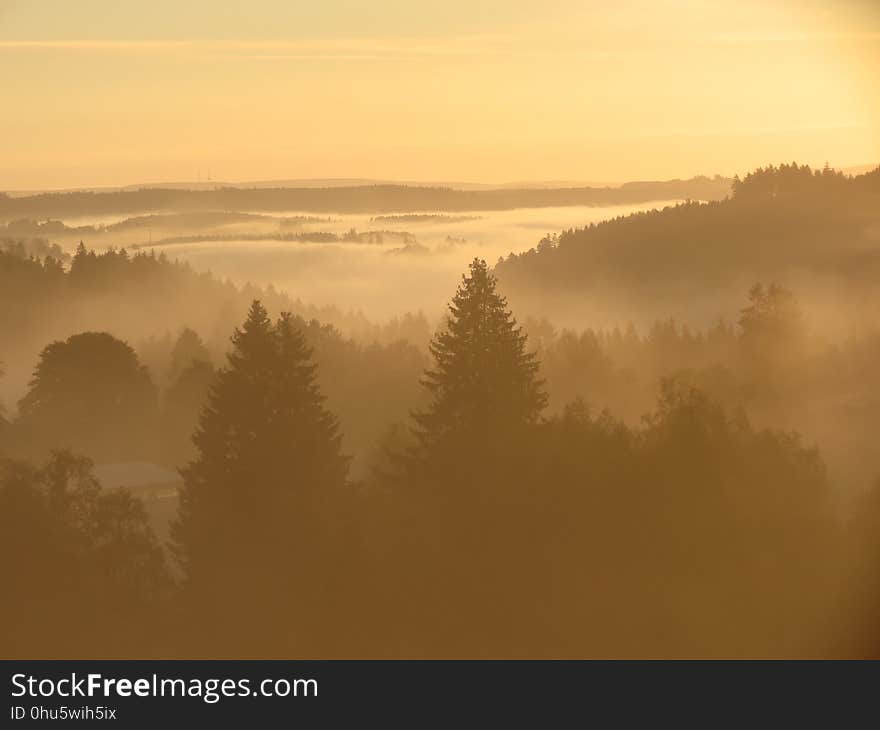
column 109, row 92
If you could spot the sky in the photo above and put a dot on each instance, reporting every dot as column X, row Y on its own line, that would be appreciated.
column 113, row 92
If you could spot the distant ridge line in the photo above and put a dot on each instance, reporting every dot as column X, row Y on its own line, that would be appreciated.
column 371, row 199
column 333, row 183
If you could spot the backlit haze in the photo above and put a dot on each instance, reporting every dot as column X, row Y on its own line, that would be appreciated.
column 101, row 93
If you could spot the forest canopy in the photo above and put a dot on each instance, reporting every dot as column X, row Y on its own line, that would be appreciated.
column 224, row 465
column 818, row 228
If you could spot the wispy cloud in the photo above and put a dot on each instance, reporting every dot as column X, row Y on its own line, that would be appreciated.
column 367, row 48
column 796, row 36
column 93, row 45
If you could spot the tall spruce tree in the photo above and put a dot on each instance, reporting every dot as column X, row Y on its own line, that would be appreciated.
column 256, row 508
column 484, row 380
column 467, row 512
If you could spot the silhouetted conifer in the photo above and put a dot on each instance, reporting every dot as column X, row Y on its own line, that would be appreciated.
column 187, row 349
column 483, row 378
column 462, row 511
column 257, row 508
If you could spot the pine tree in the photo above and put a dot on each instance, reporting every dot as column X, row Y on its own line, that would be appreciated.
column 187, row 349
column 261, row 491
column 467, row 506
column 314, row 429
column 484, row 379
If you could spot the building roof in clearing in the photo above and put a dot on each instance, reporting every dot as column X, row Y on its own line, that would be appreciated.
column 133, row 474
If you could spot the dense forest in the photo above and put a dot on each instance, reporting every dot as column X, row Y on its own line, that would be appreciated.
column 358, row 199
column 817, row 228
column 159, row 305
column 481, row 488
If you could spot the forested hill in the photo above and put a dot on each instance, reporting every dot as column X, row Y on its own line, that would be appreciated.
column 369, row 372
column 789, row 223
column 356, row 199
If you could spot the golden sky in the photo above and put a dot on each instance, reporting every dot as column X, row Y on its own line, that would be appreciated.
column 109, row 92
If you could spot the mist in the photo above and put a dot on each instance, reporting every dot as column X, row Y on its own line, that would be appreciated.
column 614, row 394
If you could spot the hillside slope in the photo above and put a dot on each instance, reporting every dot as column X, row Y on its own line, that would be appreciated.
column 816, row 231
